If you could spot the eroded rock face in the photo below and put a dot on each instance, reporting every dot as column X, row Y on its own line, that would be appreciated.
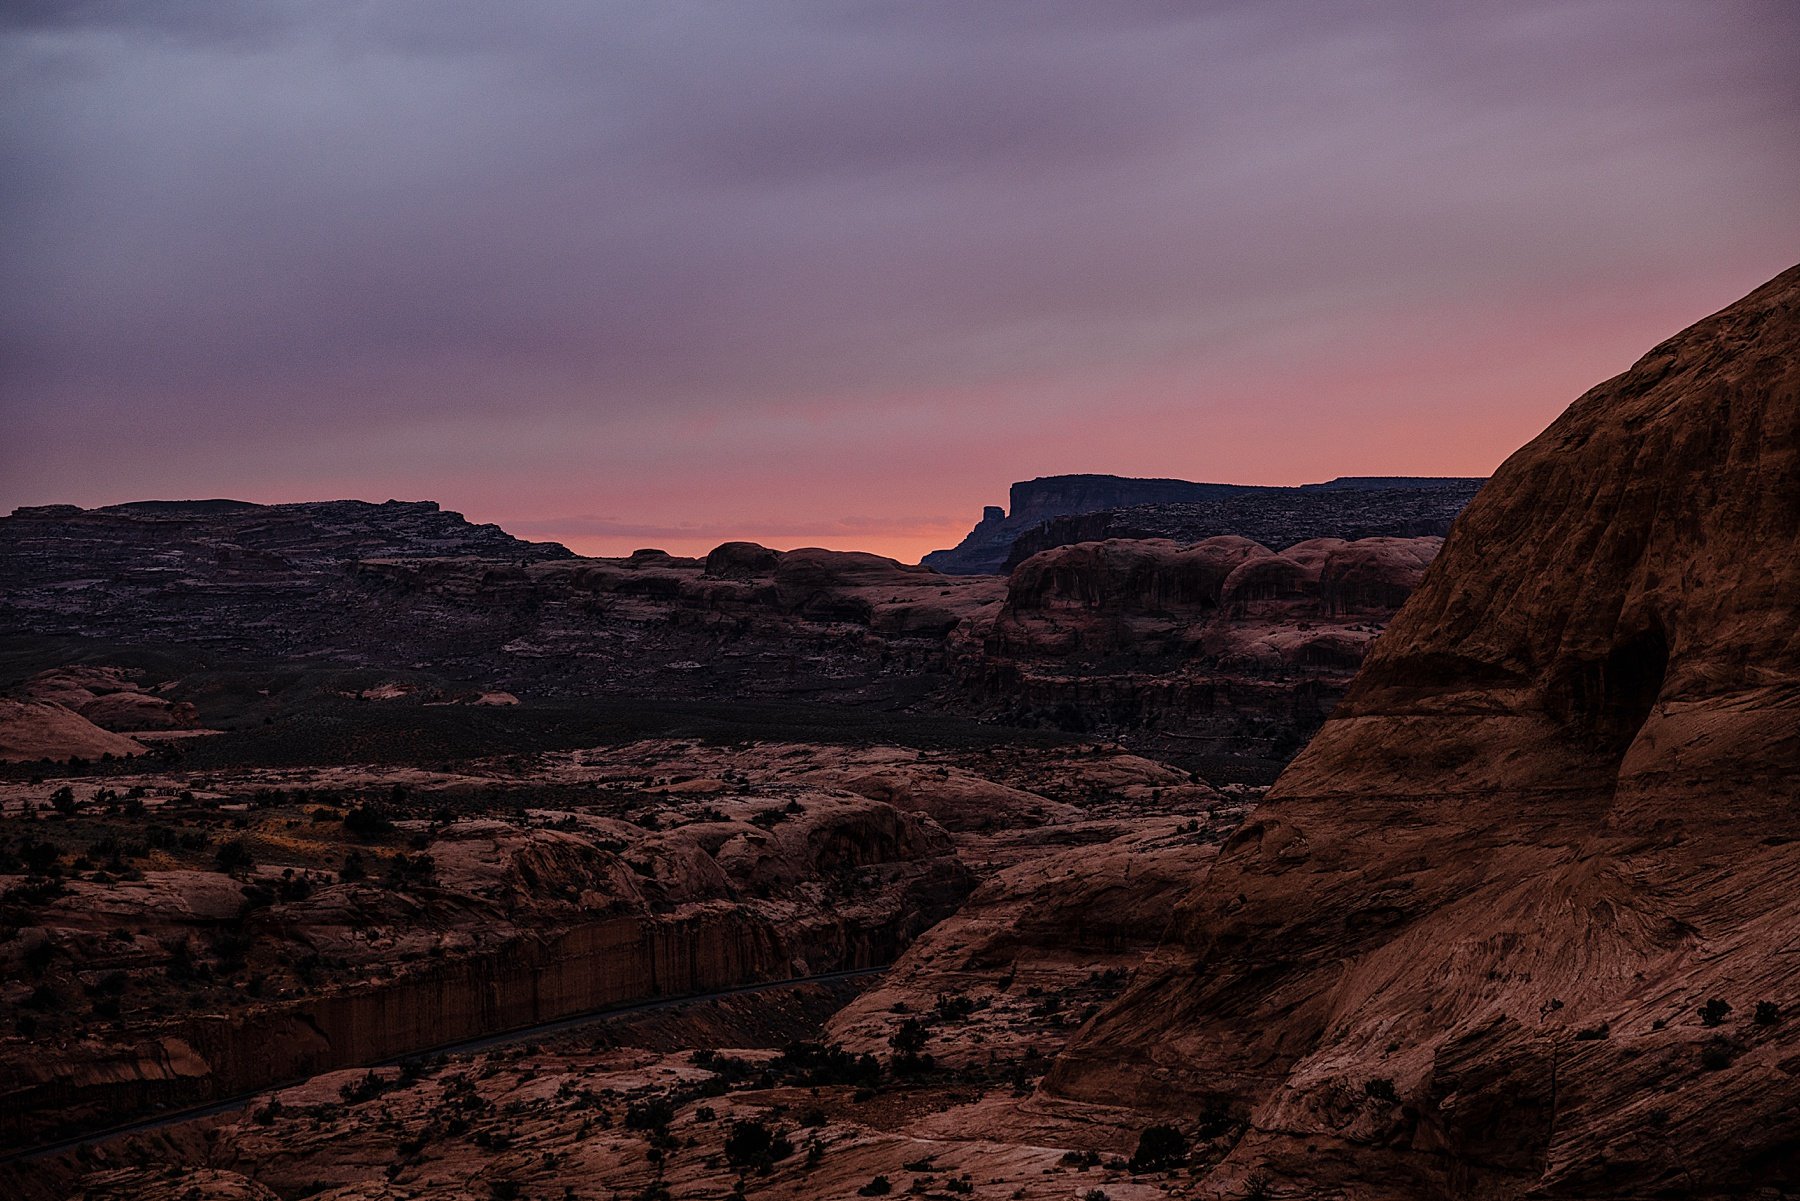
column 1061, row 510
column 1224, row 648
column 1520, row 919
column 1350, row 509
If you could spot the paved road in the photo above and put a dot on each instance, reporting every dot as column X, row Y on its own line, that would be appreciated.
column 522, row 1034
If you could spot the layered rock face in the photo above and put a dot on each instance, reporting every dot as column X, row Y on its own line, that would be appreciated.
column 1223, row 650
column 1520, row 919
column 1416, row 508
column 985, row 548
column 1060, row 510
column 404, row 584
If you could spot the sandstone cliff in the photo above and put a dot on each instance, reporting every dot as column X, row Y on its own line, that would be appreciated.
column 1520, row 920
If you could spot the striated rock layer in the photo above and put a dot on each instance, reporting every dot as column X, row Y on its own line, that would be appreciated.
column 1522, row 919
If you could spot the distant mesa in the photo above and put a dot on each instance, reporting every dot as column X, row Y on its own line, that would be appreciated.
column 1060, row 510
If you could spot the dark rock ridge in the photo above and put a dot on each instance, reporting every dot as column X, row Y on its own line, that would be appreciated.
column 1350, row 509
column 1276, row 516
column 406, row 585
column 1520, row 921
column 151, row 539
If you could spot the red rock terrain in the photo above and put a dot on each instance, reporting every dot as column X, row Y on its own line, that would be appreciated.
column 1520, row 920
column 1105, row 642
column 1517, row 923
column 172, row 938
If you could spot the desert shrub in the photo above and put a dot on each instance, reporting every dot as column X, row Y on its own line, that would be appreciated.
column 1717, row 1054
column 368, row 821
column 908, row 1043
column 751, row 1144
column 909, row 1038
column 1159, row 1149
column 406, row 871
column 1766, row 1013
column 1112, row 979
column 39, row 857
column 879, row 1186
column 366, row 1089
column 63, row 800
column 1713, row 1012
column 1382, row 1089
column 953, row 1007
column 233, row 856
column 38, row 956
column 652, row 1113
column 817, row 1064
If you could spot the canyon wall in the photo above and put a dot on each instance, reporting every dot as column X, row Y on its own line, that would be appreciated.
column 1224, row 654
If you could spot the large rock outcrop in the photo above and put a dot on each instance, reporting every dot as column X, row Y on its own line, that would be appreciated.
column 1222, row 652
column 1521, row 919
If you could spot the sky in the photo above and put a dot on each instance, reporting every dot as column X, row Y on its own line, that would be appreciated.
column 834, row 273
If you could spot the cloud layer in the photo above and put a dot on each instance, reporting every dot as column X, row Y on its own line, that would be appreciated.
column 799, row 270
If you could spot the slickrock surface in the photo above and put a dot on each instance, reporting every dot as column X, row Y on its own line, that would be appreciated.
column 31, row 730
column 170, row 937
column 1223, row 652
column 1520, row 921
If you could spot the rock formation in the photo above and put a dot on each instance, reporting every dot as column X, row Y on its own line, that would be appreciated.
column 1061, row 510
column 1223, row 652
column 1420, row 508
column 1519, row 921
column 439, row 611
column 44, row 730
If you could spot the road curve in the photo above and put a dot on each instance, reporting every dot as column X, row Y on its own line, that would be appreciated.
column 522, row 1033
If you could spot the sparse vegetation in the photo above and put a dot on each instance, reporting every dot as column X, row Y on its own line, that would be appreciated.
column 1382, row 1089
column 1159, row 1148
column 753, row 1145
